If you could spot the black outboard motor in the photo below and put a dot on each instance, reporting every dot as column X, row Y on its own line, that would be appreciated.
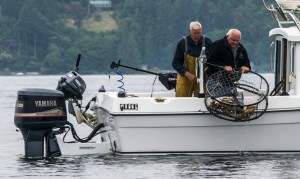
column 37, row 112
column 72, row 85
column 40, row 114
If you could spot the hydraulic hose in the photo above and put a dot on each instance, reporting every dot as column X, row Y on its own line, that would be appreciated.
column 88, row 138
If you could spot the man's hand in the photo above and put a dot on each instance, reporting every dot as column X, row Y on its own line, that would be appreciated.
column 191, row 77
column 227, row 68
column 245, row 69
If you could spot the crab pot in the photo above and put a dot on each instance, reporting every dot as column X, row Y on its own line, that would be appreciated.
column 37, row 112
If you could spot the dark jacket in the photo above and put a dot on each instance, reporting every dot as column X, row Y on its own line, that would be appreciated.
column 193, row 50
column 220, row 54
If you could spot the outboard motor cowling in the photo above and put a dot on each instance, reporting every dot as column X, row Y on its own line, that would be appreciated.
column 72, row 85
column 37, row 112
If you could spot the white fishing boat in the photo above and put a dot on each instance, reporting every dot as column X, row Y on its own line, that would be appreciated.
column 246, row 118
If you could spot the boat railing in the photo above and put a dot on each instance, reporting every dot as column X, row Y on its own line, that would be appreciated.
column 285, row 12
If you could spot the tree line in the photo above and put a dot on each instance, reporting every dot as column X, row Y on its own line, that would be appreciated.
column 35, row 35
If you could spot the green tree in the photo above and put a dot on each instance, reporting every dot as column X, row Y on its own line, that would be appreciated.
column 11, row 8
column 147, row 32
column 52, row 61
column 5, row 59
column 33, row 30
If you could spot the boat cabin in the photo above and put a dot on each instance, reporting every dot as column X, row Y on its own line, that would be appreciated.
column 285, row 48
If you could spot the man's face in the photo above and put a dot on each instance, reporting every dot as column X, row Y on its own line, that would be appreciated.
column 196, row 34
column 233, row 40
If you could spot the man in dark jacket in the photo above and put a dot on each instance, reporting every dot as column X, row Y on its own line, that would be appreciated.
column 184, row 60
column 228, row 53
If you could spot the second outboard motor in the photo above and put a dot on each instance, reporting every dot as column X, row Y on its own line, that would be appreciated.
column 37, row 112
column 72, row 85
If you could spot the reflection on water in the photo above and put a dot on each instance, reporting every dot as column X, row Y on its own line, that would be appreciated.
column 169, row 166
column 13, row 164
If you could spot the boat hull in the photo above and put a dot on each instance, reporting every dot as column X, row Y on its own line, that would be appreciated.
column 198, row 131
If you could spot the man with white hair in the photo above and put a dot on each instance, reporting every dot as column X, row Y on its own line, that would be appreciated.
column 228, row 53
column 184, row 60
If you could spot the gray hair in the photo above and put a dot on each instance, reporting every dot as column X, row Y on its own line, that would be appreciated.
column 229, row 33
column 195, row 25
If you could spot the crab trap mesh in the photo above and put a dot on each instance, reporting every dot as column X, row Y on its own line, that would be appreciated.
column 237, row 96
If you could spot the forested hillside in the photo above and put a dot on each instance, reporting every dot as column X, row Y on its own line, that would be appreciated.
column 46, row 36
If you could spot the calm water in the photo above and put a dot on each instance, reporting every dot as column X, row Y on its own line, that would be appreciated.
column 12, row 163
